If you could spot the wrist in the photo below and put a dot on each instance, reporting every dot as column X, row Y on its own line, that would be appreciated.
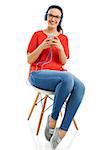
column 40, row 48
column 61, row 48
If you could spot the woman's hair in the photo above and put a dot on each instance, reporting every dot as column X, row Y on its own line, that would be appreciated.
column 59, row 28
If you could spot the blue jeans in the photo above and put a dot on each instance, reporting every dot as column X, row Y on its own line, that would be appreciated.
column 64, row 84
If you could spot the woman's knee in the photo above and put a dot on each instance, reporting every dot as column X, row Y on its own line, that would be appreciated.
column 79, row 89
column 81, row 86
column 68, row 81
column 31, row 79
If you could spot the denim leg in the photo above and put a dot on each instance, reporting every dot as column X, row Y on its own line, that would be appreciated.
column 61, row 82
column 73, row 103
column 63, row 89
column 45, row 79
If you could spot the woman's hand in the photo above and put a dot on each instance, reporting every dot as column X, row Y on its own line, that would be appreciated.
column 49, row 42
column 56, row 42
column 62, row 56
column 46, row 43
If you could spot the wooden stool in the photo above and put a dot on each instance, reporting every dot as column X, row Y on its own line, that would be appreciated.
column 47, row 93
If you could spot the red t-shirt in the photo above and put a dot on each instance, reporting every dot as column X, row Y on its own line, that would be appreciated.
column 55, row 64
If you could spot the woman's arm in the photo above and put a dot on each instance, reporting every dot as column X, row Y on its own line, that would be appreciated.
column 33, row 56
column 62, row 56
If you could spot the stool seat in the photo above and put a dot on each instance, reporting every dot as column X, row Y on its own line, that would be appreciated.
column 43, row 91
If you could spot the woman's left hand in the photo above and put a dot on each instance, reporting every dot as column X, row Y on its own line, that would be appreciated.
column 56, row 42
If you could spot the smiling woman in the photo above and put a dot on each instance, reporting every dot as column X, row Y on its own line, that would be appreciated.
column 47, row 52
column 53, row 20
column 54, row 17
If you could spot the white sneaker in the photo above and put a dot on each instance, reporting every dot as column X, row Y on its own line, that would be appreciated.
column 48, row 131
column 55, row 139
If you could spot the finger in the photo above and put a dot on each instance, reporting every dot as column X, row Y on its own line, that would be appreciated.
column 54, row 44
column 48, row 42
column 54, row 40
column 47, row 39
column 57, row 38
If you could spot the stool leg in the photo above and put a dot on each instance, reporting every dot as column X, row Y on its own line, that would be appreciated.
column 33, row 105
column 75, row 124
column 42, row 112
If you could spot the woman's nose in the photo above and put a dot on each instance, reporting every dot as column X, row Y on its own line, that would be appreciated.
column 53, row 19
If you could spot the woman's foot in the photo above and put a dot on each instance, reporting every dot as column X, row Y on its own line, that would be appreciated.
column 61, row 133
column 57, row 137
column 52, row 122
column 49, row 129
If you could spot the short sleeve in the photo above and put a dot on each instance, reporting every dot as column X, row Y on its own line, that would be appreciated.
column 66, row 46
column 33, row 43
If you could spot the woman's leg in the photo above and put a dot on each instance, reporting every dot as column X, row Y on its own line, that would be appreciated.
column 59, row 81
column 73, row 103
column 62, row 83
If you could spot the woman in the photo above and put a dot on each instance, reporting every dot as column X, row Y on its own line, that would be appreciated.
column 47, row 53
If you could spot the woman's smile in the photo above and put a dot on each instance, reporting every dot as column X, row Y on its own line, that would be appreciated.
column 52, row 22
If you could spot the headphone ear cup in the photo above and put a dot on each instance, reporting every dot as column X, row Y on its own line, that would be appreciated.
column 45, row 17
column 61, row 20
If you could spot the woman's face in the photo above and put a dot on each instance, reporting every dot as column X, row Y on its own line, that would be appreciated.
column 53, row 17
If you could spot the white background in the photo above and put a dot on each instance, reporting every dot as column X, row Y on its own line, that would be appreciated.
column 81, row 23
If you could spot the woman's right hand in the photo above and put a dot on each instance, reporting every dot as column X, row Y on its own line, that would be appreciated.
column 32, row 57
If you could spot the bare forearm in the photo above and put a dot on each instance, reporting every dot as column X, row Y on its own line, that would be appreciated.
column 32, row 57
column 62, row 56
